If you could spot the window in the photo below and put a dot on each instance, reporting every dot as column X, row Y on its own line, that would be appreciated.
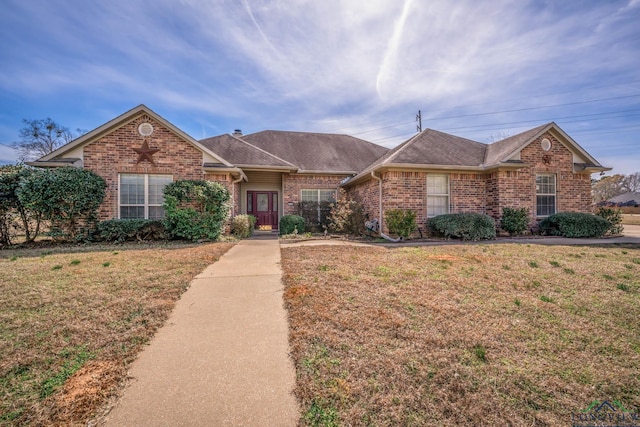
column 437, row 195
column 141, row 195
column 318, row 200
column 545, row 195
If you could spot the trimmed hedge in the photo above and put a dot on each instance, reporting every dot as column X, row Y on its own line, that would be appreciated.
column 515, row 221
column 121, row 230
column 242, row 225
column 290, row 224
column 574, row 224
column 465, row 226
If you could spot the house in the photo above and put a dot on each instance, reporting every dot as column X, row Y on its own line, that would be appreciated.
column 268, row 173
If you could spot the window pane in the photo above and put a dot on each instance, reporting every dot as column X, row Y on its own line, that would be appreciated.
column 156, row 185
column 131, row 212
column 546, row 205
column 326, row 195
column 249, row 202
column 156, row 212
column 132, row 189
column 437, row 184
column 262, row 200
column 545, row 184
column 275, row 202
column 437, row 205
column 309, row 195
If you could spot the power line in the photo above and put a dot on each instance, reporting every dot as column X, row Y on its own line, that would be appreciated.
column 534, row 108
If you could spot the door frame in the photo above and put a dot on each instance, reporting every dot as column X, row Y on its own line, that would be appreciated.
column 269, row 217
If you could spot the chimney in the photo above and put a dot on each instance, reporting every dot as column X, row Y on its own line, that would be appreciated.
column 237, row 132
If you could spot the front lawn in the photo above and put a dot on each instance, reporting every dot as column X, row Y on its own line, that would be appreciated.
column 499, row 334
column 73, row 318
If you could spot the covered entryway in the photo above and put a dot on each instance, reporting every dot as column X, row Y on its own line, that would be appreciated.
column 264, row 206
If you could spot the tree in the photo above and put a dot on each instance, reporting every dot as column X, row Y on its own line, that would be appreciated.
column 631, row 182
column 607, row 187
column 14, row 215
column 40, row 137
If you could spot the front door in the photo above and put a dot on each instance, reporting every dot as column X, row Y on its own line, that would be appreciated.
column 264, row 206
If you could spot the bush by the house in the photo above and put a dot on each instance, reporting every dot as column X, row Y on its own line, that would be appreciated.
column 346, row 215
column 316, row 215
column 290, row 224
column 121, row 230
column 400, row 222
column 465, row 226
column 195, row 209
column 574, row 224
column 68, row 197
column 614, row 216
column 15, row 218
column 515, row 221
column 242, row 225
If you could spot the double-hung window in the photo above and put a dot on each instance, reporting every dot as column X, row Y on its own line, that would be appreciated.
column 437, row 195
column 545, row 195
column 141, row 195
column 321, row 198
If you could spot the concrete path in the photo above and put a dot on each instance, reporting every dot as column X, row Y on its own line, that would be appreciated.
column 222, row 358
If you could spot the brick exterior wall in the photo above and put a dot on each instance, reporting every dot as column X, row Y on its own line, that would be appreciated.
column 113, row 154
column 485, row 193
column 293, row 184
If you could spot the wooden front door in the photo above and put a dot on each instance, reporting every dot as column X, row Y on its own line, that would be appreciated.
column 264, row 206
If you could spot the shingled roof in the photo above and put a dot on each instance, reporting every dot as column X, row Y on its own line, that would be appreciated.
column 318, row 152
column 432, row 149
column 243, row 154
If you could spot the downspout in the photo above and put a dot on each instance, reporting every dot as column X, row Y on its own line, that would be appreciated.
column 233, row 190
column 377, row 178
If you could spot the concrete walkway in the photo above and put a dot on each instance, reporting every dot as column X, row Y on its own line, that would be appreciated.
column 222, row 358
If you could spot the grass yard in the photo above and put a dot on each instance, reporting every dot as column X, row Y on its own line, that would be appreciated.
column 73, row 318
column 498, row 334
column 631, row 219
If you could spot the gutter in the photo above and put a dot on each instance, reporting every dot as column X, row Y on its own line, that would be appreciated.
column 377, row 178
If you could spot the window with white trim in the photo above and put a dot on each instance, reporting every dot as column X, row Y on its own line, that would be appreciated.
column 545, row 195
column 322, row 197
column 141, row 195
column 437, row 195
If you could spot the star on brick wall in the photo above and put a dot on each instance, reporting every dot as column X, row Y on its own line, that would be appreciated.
column 146, row 153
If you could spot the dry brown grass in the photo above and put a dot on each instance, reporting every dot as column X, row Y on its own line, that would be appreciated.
column 497, row 334
column 73, row 318
column 631, row 219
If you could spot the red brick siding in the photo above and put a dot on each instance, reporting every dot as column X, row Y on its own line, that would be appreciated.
column 367, row 193
column 113, row 154
column 293, row 184
column 467, row 192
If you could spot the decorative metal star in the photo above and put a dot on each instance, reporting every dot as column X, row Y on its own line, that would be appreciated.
column 146, row 153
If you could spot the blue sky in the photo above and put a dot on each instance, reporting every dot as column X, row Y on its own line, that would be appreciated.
column 477, row 69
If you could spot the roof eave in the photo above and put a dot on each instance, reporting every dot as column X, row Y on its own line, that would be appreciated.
column 75, row 162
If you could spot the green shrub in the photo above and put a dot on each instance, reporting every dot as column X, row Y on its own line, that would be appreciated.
column 15, row 218
column 465, row 226
column 515, row 221
column 400, row 222
column 574, row 224
column 346, row 215
column 290, row 224
column 242, row 225
column 316, row 215
column 121, row 230
column 68, row 197
column 195, row 209
column 614, row 216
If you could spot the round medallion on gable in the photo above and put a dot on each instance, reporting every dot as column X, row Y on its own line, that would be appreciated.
column 145, row 129
column 546, row 144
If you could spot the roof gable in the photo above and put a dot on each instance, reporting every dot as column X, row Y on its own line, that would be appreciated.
column 110, row 126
